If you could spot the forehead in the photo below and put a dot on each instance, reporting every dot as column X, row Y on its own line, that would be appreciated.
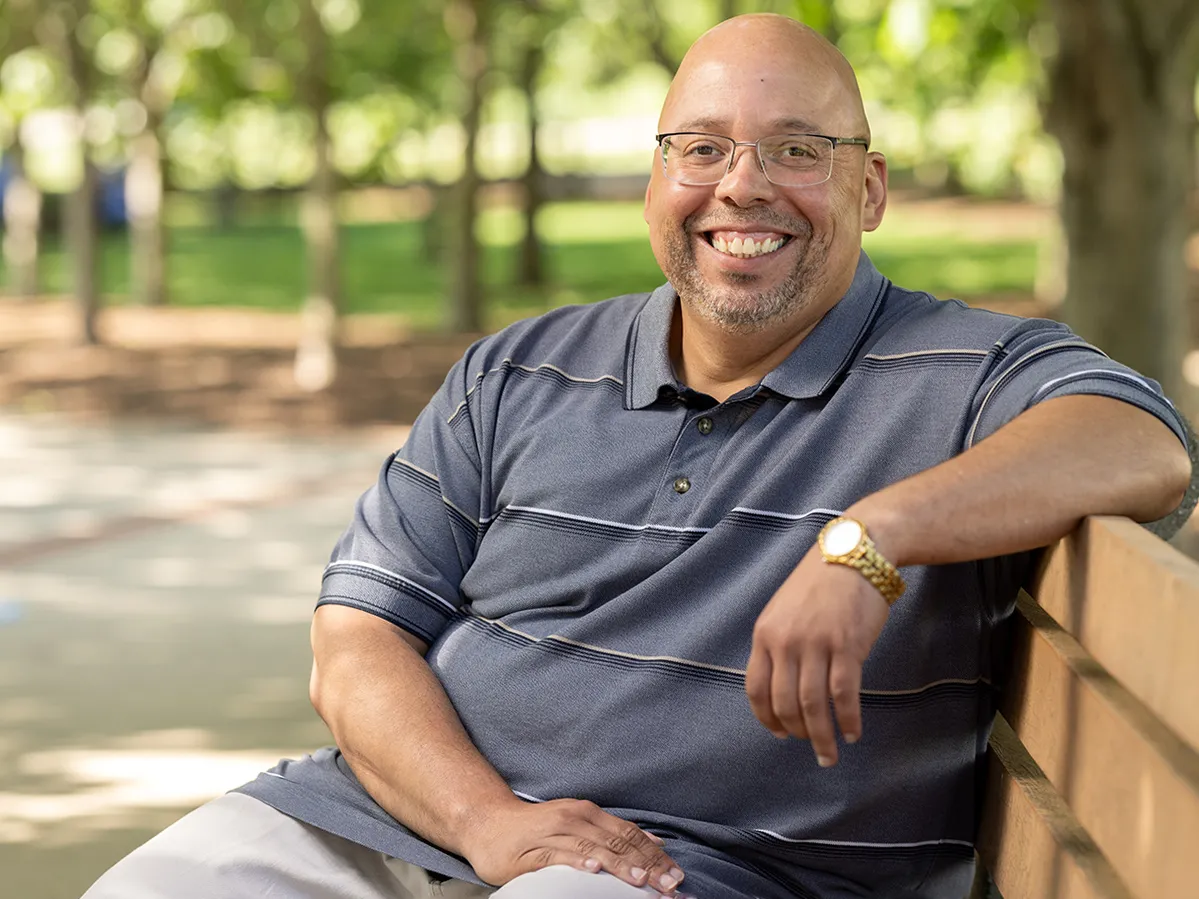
column 757, row 96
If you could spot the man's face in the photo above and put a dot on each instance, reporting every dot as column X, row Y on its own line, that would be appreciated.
column 820, row 226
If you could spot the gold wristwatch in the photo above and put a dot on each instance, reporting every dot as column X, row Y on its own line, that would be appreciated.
column 844, row 541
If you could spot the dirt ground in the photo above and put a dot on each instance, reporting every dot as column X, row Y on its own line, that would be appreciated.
column 223, row 367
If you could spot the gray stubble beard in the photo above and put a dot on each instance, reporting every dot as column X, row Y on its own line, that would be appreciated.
column 738, row 308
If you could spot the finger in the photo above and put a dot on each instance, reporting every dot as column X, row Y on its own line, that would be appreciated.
column 757, row 688
column 626, row 851
column 784, row 696
column 653, row 836
column 813, row 700
column 545, row 856
column 845, row 685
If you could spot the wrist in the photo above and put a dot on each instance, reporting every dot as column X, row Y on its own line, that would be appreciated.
column 846, row 540
column 476, row 823
column 885, row 529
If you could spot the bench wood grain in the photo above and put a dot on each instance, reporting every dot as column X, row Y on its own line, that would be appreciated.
column 1093, row 786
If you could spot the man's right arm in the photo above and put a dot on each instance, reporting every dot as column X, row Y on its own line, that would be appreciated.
column 401, row 736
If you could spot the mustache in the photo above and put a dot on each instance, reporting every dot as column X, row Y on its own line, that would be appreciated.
column 699, row 222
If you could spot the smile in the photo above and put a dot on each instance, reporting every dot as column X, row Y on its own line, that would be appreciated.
column 745, row 246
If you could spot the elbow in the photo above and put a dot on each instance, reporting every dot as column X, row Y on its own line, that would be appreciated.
column 1172, row 480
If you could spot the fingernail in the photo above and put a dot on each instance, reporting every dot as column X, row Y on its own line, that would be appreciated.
column 637, row 873
column 824, row 761
column 851, row 738
column 781, row 734
column 592, row 864
column 668, row 882
column 676, row 874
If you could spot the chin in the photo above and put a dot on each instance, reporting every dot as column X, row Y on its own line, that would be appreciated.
column 745, row 312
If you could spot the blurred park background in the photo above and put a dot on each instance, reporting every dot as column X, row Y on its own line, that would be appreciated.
column 243, row 240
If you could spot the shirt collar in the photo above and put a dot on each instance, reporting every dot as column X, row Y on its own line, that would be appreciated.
column 810, row 369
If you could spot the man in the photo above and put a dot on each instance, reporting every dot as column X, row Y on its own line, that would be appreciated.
column 581, row 639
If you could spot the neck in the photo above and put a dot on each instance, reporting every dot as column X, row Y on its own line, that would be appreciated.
column 709, row 359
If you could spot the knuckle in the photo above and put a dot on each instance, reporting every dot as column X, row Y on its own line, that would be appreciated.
column 542, row 858
column 841, row 689
column 619, row 844
column 811, row 705
column 585, row 847
column 631, row 832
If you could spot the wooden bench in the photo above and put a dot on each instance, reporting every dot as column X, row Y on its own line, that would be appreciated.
column 1093, row 780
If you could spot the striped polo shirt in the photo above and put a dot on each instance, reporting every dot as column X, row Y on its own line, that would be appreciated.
column 585, row 543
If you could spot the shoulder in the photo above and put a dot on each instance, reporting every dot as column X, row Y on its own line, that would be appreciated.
column 594, row 334
column 913, row 323
column 581, row 345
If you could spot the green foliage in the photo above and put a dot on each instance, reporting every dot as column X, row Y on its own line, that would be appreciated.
column 951, row 85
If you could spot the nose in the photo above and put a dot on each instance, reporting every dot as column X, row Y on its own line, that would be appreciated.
column 745, row 184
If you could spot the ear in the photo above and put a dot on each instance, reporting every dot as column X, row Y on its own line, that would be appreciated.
column 874, row 202
column 649, row 190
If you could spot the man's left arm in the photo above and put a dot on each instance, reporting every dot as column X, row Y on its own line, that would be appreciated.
column 1026, row 486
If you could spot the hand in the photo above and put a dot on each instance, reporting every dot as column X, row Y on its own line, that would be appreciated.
column 527, row 836
column 809, row 644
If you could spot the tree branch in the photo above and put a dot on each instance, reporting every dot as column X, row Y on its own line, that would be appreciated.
column 1142, row 54
column 657, row 44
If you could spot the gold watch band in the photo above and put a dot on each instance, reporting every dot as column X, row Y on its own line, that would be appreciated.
column 868, row 561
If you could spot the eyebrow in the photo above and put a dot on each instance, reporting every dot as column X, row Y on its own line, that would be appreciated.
column 789, row 126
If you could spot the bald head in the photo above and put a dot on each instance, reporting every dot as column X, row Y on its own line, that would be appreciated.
column 759, row 45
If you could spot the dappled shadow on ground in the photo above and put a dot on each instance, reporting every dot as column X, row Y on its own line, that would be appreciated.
column 145, row 670
column 221, row 367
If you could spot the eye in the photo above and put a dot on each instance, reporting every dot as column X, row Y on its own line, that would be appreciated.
column 701, row 150
column 797, row 150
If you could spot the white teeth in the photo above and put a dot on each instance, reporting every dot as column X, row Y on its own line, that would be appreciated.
column 747, row 247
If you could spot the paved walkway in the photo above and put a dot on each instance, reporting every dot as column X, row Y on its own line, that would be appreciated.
column 155, row 592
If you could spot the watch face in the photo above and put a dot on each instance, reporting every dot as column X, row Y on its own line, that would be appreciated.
column 842, row 537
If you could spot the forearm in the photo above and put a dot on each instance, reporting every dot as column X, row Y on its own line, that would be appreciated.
column 1030, row 483
column 399, row 732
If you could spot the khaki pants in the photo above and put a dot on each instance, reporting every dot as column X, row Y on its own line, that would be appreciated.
column 236, row 847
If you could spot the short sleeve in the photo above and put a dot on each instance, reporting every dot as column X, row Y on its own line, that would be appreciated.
column 415, row 533
column 1037, row 360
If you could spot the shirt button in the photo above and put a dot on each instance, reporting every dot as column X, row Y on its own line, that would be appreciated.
column 704, row 425
column 682, row 485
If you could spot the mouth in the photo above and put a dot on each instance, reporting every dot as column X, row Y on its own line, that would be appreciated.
column 743, row 245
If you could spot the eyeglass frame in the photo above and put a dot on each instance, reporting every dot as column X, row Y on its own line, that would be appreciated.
column 757, row 145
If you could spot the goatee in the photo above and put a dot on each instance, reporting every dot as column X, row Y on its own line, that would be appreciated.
column 738, row 304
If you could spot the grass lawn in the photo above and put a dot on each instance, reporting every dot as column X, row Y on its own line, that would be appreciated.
column 593, row 250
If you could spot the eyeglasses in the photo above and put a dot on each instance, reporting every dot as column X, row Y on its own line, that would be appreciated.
column 787, row 160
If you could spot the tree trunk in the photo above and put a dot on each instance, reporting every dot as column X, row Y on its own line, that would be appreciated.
column 1122, row 107
column 466, row 291
column 316, row 354
column 532, row 272
column 80, row 219
column 83, row 243
column 22, row 219
column 147, row 229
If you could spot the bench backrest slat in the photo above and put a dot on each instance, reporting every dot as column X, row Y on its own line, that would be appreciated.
column 1094, row 786
column 1132, row 601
